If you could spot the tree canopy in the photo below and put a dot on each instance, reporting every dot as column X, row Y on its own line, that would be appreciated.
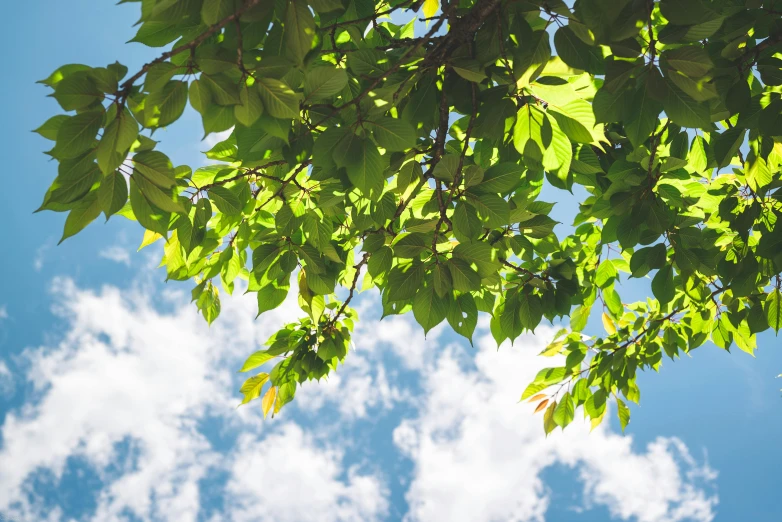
column 403, row 145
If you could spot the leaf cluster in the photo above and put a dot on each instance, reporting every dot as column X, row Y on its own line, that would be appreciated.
column 366, row 153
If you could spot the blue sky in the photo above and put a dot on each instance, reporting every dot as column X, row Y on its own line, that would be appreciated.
column 118, row 403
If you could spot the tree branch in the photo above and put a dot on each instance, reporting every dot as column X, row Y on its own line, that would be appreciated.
column 125, row 89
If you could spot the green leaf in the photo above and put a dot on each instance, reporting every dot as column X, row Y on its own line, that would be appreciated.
column 116, row 141
column 613, row 301
column 76, row 91
column 155, row 167
column 49, row 129
column 492, row 209
column 510, row 318
column 252, row 387
column 324, row 82
column 159, row 75
column 429, row 308
column 470, row 70
column 212, row 11
column 532, row 134
column 745, row 339
column 279, row 100
column 393, row 134
column 75, row 178
column 199, row 95
column 577, row 54
column 576, row 120
column 692, row 60
column 63, row 72
column 404, row 281
column 165, row 201
column 411, row 245
column 446, row 168
column 501, row 178
column 285, row 393
column 605, row 274
column 579, row 318
column 326, row 6
column 726, row 145
column 758, row 174
column 685, row 111
column 156, row 33
column 165, row 106
column 113, row 193
column 380, row 262
column 623, row 412
column 223, row 90
column 642, row 119
column 463, row 277
column 531, row 58
column 81, row 216
column 77, row 134
column 463, row 315
column 226, row 201
column 480, row 254
column 218, row 118
column 250, row 108
column 663, row 286
column 773, row 307
column 596, row 404
column 272, row 295
column 147, row 216
column 299, row 30
column 532, row 389
column 565, row 411
column 530, row 311
column 257, row 359
column 365, row 168
column 610, row 107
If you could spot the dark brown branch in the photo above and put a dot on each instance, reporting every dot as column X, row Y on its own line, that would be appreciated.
column 437, row 154
column 371, row 18
column 461, row 31
column 285, row 183
column 251, row 172
column 352, row 290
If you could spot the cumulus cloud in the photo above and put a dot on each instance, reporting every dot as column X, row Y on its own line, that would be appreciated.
column 360, row 386
column 132, row 374
column 479, row 457
column 288, row 476
column 6, row 379
column 127, row 372
column 41, row 253
column 117, row 254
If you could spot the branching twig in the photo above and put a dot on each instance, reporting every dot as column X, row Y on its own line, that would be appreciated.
column 126, row 88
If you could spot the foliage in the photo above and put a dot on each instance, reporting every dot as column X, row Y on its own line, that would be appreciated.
column 366, row 142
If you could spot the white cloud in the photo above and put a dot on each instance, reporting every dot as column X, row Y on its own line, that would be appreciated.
column 40, row 254
column 6, row 379
column 117, row 254
column 126, row 372
column 404, row 336
column 288, row 477
column 3, row 312
column 479, row 456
